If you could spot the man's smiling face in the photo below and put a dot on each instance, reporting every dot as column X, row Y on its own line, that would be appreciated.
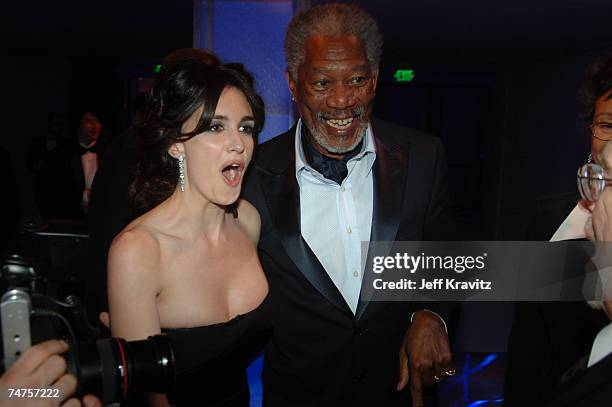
column 334, row 92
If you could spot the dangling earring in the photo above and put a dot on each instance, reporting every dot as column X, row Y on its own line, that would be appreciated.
column 590, row 158
column 181, row 163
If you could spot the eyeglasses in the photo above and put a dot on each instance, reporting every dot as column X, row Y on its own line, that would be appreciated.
column 602, row 130
column 592, row 181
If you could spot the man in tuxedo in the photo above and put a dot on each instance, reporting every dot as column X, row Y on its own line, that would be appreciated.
column 335, row 179
column 67, row 170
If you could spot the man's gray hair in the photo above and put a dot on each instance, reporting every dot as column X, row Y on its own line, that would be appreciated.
column 332, row 20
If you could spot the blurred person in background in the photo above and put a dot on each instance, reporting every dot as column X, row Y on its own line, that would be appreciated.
column 548, row 337
column 65, row 169
column 589, row 381
column 90, row 153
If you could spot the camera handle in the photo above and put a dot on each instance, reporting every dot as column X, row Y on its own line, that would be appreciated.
column 15, row 310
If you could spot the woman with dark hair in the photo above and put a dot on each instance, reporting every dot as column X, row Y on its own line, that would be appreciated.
column 189, row 264
column 110, row 208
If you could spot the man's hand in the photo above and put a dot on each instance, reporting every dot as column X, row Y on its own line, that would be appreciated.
column 602, row 217
column 41, row 366
column 425, row 354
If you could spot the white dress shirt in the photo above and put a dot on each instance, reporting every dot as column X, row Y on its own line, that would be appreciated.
column 335, row 219
column 89, row 161
column 602, row 345
column 573, row 226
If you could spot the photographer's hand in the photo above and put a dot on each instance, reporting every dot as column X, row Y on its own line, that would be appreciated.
column 41, row 367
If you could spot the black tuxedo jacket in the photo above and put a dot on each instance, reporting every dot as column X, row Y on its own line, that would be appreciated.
column 591, row 389
column 321, row 354
column 548, row 337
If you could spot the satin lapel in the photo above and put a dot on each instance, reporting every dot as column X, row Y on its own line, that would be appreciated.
column 282, row 196
column 389, row 170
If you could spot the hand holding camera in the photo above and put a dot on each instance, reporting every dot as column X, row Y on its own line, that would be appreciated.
column 110, row 368
column 42, row 367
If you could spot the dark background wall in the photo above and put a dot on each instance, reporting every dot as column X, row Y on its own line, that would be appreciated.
column 498, row 83
column 71, row 56
column 33, row 86
column 544, row 140
column 513, row 134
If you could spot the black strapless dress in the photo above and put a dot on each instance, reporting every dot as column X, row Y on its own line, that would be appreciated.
column 211, row 361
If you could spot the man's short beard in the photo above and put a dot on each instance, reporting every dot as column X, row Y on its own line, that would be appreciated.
column 320, row 139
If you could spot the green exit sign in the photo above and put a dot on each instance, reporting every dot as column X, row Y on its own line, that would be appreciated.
column 404, row 75
column 157, row 68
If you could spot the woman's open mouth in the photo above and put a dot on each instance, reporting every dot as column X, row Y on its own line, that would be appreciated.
column 232, row 173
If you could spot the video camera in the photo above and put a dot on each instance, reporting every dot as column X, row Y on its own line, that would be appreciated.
column 111, row 368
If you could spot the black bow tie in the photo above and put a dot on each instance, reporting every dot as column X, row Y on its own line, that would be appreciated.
column 331, row 168
column 90, row 149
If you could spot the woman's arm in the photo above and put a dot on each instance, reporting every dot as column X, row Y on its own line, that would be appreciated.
column 133, row 286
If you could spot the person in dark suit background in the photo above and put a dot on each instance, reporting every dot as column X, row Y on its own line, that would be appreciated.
column 87, row 155
column 547, row 338
column 335, row 179
column 66, row 171
column 589, row 381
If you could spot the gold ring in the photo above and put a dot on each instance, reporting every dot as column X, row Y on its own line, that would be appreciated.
column 450, row 371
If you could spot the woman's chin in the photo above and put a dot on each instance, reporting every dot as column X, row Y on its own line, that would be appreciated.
column 228, row 200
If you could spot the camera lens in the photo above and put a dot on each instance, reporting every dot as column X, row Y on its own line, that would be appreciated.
column 114, row 368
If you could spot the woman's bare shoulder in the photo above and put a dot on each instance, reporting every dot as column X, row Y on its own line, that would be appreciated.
column 248, row 217
column 136, row 248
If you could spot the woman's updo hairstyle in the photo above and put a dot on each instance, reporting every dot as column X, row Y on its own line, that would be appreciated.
column 187, row 80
